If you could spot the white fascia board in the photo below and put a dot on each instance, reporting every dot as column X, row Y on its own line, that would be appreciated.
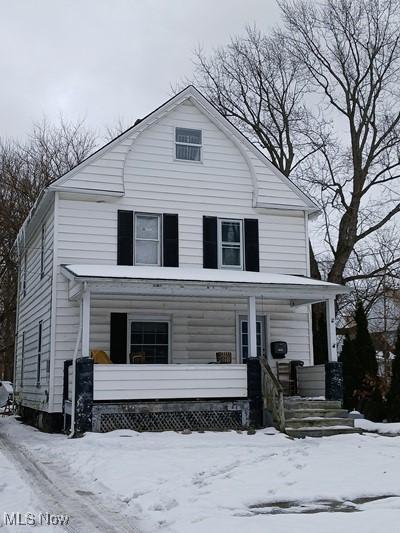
column 313, row 211
column 293, row 294
column 79, row 190
column 109, row 280
column 193, row 274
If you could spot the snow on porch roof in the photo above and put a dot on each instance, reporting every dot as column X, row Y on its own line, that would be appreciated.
column 206, row 275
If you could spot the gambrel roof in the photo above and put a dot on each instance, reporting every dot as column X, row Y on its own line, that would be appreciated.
column 248, row 150
column 91, row 178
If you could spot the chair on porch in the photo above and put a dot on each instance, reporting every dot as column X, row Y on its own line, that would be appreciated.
column 224, row 357
column 283, row 371
column 100, row 357
column 137, row 358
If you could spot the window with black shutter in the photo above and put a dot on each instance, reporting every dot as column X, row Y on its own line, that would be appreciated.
column 148, row 239
column 251, row 247
column 210, row 242
column 170, row 232
column 231, row 243
column 125, row 238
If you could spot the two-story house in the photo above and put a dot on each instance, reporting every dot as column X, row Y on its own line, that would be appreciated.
column 179, row 254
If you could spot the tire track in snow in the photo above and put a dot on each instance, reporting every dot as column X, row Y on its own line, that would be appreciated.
column 58, row 494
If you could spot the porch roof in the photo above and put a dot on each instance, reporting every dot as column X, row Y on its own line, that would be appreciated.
column 199, row 282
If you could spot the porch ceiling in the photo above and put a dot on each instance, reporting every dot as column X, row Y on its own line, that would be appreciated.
column 167, row 281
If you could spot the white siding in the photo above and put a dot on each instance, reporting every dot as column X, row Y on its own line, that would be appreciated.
column 35, row 306
column 147, row 382
column 311, row 381
column 105, row 174
column 153, row 181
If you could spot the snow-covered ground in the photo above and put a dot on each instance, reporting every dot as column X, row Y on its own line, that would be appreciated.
column 233, row 482
column 17, row 496
column 377, row 427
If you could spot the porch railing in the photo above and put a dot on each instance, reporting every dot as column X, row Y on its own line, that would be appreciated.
column 172, row 381
column 272, row 392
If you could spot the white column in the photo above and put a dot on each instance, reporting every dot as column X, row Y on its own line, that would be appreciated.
column 86, row 323
column 252, row 326
column 331, row 327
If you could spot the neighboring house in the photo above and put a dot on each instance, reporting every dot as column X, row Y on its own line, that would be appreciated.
column 177, row 240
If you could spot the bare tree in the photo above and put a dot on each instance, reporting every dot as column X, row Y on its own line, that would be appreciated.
column 261, row 87
column 351, row 50
column 321, row 97
column 25, row 169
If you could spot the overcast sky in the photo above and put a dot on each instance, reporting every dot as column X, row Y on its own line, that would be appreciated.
column 105, row 60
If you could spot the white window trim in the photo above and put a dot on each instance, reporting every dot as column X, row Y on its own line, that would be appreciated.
column 188, row 144
column 159, row 240
column 149, row 318
column 267, row 335
column 219, row 237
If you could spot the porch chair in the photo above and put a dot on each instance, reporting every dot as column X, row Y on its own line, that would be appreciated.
column 285, row 378
column 100, row 357
column 224, row 357
column 137, row 358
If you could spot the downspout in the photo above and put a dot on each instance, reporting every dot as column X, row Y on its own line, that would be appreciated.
column 16, row 334
column 73, row 395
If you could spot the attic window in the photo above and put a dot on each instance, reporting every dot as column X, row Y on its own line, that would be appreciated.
column 188, row 144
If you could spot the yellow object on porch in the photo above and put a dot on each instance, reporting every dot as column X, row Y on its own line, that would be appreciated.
column 100, row 357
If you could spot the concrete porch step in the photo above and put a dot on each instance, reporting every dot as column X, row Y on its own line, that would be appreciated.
column 319, row 422
column 322, row 413
column 322, row 431
column 294, row 403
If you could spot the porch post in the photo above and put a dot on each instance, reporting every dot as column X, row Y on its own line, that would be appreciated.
column 252, row 326
column 85, row 323
column 331, row 327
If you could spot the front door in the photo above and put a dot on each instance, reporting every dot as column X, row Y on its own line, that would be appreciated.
column 244, row 337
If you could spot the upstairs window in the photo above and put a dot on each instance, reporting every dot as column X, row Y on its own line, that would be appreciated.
column 147, row 239
column 230, row 243
column 188, row 144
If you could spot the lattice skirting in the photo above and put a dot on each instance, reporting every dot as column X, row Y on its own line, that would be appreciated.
column 171, row 416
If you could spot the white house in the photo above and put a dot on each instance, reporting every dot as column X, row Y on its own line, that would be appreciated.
column 176, row 240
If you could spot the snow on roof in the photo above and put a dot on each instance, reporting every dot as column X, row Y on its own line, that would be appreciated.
column 196, row 274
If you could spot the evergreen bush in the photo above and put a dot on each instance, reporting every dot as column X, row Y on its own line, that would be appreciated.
column 393, row 398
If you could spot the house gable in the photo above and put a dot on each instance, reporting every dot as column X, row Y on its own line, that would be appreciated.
column 106, row 170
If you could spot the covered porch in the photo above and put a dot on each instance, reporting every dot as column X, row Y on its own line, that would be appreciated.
column 239, row 325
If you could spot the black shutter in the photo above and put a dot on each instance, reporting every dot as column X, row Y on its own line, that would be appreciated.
column 210, row 242
column 170, row 241
column 125, row 238
column 118, row 337
column 251, row 250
